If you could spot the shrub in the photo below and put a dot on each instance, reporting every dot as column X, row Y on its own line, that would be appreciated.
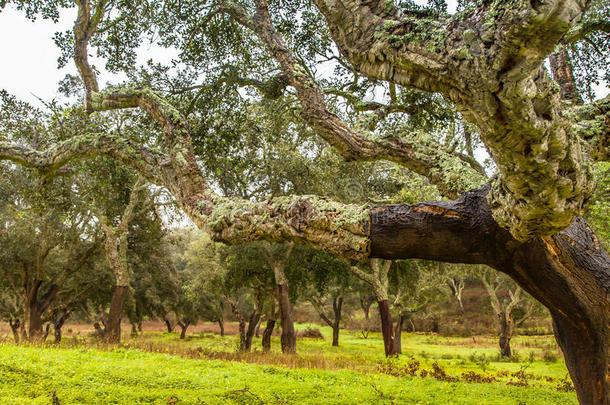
column 311, row 332
column 550, row 356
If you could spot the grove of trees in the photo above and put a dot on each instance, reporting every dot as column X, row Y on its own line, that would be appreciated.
column 375, row 131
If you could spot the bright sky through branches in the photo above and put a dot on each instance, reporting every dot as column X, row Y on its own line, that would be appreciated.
column 29, row 66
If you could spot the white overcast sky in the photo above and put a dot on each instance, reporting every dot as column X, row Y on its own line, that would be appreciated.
column 29, row 56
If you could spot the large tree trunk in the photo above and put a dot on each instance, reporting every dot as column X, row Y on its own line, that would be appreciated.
column 569, row 272
column 113, row 324
column 266, row 341
column 33, row 318
column 34, row 307
column 386, row 327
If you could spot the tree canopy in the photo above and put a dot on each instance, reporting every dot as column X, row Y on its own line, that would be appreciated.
column 376, row 81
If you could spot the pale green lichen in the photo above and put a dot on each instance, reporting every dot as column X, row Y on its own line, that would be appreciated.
column 341, row 228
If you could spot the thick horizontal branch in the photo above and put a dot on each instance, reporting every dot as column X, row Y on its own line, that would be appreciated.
column 338, row 228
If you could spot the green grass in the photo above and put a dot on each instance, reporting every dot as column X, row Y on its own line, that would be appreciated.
column 29, row 375
column 455, row 355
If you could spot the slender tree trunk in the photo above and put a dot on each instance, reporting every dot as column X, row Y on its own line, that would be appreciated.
column 252, row 323
column 183, row 327
column 15, row 324
column 258, row 327
column 465, row 321
column 221, row 324
column 336, row 334
column 168, row 325
column 386, row 327
column 113, row 324
column 266, row 341
column 398, row 334
column 289, row 336
column 58, row 324
column 57, row 333
column 337, row 305
column 365, row 304
column 242, row 335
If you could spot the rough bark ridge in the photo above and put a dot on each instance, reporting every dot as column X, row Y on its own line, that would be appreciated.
column 112, row 332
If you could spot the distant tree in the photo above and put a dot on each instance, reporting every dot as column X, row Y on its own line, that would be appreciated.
column 510, row 304
column 48, row 242
column 328, row 285
column 376, row 275
column 249, row 288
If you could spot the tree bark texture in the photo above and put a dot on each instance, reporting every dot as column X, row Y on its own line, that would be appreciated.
column 507, row 325
column 242, row 334
column 337, row 305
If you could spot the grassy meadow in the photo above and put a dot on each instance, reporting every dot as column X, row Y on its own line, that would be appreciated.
column 205, row 368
